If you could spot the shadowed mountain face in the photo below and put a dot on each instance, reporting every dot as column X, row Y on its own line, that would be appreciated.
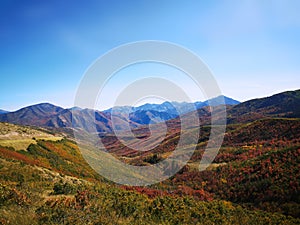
column 150, row 116
column 49, row 115
column 89, row 120
column 36, row 115
column 3, row 111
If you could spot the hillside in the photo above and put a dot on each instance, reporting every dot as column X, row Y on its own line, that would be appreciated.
column 20, row 137
column 285, row 104
column 269, row 180
column 264, row 131
column 44, row 197
column 255, row 162
column 50, row 183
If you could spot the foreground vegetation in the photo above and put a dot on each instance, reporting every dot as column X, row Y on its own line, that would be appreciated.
column 254, row 180
column 32, row 195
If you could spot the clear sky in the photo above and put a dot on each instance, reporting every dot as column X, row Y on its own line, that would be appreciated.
column 252, row 47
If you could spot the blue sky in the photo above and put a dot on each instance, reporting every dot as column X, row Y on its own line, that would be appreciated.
column 252, row 47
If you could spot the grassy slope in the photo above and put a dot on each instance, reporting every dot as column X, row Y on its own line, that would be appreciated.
column 50, row 183
column 20, row 137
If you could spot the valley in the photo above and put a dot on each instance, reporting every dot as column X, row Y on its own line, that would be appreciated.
column 254, row 179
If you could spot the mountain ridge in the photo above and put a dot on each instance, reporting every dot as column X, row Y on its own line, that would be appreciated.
column 49, row 115
column 284, row 104
column 170, row 107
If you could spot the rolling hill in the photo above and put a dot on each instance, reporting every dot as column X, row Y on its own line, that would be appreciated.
column 285, row 104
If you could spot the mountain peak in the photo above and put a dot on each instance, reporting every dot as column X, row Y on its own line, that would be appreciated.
column 43, row 105
column 32, row 115
column 285, row 104
column 75, row 108
column 222, row 99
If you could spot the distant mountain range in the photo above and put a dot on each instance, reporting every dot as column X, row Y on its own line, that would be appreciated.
column 49, row 115
column 153, row 113
column 173, row 107
column 286, row 104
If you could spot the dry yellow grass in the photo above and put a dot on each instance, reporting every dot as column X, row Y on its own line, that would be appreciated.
column 22, row 144
column 20, row 137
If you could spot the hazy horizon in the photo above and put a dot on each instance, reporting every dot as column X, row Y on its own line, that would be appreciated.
column 155, row 101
